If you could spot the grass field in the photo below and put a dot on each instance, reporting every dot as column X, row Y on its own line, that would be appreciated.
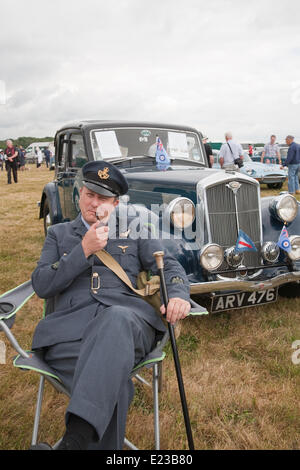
column 241, row 385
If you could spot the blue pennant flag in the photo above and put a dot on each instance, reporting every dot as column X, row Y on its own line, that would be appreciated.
column 161, row 156
column 244, row 243
column 283, row 241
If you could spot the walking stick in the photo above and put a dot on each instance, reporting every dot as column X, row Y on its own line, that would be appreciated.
column 160, row 266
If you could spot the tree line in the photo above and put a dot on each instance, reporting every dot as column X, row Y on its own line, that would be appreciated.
column 25, row 141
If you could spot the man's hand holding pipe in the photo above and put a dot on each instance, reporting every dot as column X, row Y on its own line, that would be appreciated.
column 95, row 239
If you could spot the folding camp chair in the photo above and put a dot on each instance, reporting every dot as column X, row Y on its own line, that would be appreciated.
column 14, row 299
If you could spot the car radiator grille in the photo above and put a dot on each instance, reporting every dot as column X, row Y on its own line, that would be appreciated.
column 226, row 213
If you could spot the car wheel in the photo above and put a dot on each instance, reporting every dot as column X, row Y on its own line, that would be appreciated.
column 290, row 291
column 275, row 185
column 46, row 217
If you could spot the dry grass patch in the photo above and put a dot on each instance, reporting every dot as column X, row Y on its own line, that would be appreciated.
column 241, row 385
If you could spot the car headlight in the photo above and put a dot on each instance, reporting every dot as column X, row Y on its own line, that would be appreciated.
column 284, row 207
column 294, row 254
column 181, row 212
column 270, row 252
column 211, row 256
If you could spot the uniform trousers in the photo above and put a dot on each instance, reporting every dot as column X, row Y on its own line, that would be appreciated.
column 96, row 370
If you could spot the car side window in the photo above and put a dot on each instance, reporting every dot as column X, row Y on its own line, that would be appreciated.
column 62, row 152
column 78, row 155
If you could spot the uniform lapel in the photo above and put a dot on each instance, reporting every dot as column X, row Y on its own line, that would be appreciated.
column 78, row 226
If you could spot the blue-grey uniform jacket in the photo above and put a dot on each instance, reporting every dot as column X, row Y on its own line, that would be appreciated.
column 64, row 273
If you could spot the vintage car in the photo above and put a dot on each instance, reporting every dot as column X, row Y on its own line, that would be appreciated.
column 270, row 174
column 196, row 211
column 283, row 154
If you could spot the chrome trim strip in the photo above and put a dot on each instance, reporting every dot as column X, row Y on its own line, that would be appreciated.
column 244, row 285
column 252, row 276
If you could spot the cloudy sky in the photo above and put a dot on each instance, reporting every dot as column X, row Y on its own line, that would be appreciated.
column 216, row 65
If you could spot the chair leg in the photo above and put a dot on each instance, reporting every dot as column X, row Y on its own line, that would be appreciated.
column 129, row 444
column 160, row 376
column 55, row 446
column 38, row 411
column 156, row 406
column 142, row 380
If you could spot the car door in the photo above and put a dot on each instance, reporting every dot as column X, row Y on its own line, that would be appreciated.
column 77, row 157
column 71, row 157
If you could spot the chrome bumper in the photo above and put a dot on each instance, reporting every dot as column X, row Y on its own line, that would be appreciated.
column 244, row 285
column 271, row 180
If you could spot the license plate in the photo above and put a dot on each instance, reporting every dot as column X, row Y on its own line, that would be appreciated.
column 243, row 299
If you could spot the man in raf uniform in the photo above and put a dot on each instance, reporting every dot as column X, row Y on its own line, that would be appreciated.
column 100, row 329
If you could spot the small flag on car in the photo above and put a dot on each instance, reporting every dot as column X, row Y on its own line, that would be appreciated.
column 161, row 156
column 244, row 242
column 283, row 241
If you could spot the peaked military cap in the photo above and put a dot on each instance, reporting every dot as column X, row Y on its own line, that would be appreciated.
column 104, row 178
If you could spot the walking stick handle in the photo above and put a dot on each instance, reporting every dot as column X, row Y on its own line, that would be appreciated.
column 159, row 257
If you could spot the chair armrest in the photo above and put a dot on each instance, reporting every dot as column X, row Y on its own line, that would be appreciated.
column 10, row 303
column 197, row 309
column 14, row 299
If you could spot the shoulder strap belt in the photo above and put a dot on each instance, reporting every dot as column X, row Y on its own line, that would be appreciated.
column 115, row 267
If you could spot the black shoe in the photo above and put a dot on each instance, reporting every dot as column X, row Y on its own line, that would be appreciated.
column 41, row 446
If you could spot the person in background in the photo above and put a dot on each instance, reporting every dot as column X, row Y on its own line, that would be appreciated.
column 271, row 151
column 229, row 152
column 18, row 157
column 52, row 162
column 47, row 154
column 250, row 150
column 39, row 156
column 11, row 161
column 1, row 159
column 208, row 151
column 293, row 164
column 21, row 158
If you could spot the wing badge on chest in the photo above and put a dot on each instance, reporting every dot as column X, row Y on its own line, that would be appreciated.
column 123, row 248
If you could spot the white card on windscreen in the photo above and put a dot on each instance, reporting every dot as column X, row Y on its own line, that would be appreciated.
column 108, row 144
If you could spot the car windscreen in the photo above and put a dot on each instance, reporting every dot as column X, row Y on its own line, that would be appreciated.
column 131, row 142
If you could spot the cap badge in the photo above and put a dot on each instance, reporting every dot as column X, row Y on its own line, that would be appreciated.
column 104, row 174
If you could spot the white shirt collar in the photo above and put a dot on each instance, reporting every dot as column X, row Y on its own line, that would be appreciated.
column 85, row 223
